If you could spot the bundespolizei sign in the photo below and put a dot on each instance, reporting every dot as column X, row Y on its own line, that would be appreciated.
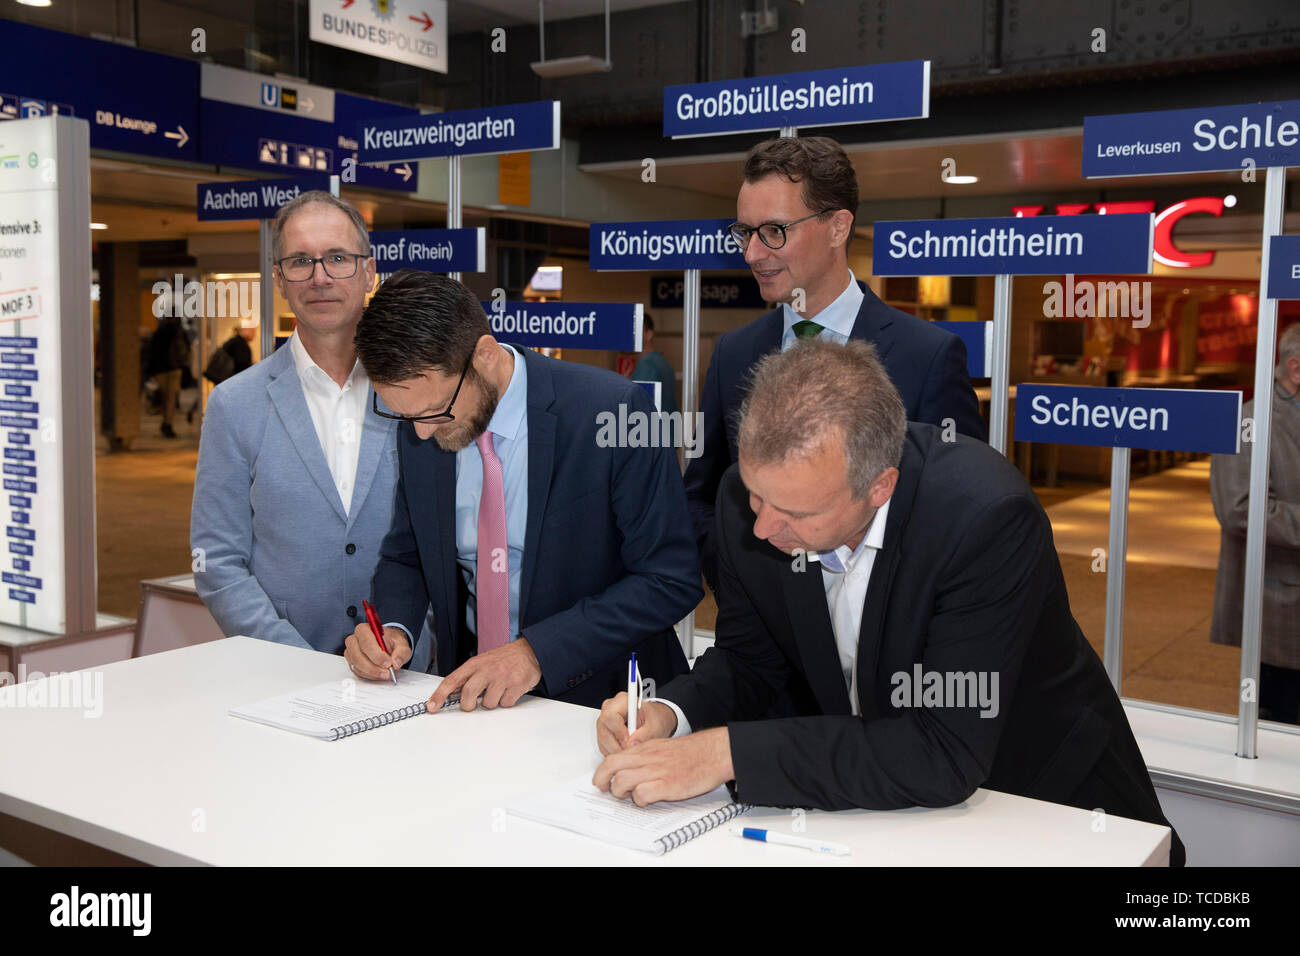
column 515, row 128
column 860, row 94
column 664, row 244
column 608, row 326
column 1013, row 245
column 1204, row 139
column 1167, row 419
column 430, row 250
column 254, row 198
column 1284, row 267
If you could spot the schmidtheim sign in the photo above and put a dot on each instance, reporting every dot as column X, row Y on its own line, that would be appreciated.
column 1165, row 419
column 429, row 250
column 1163, row 247
column 664, row 244
column 1042, row 245
column 859, row 94
column 254, row 199
column 607, row 326
column 1201, row 140
column 1284, row 267
column 517, row 128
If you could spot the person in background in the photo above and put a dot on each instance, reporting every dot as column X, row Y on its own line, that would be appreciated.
column 795, row 216
column 1279, row 668
column 653, row 367
column 296, row 473
column 231, row 357
column 169, row 352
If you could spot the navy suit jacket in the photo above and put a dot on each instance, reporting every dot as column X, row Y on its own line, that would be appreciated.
column 609, row 565
column 926, row 364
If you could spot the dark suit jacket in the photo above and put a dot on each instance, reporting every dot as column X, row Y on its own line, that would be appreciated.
column 967, row 581
column 926, row 364
column 609, row 565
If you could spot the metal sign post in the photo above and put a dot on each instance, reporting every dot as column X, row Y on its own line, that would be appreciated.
column 1000, row 363
column 690, row 373
column 1257, row 506
column 453, row 199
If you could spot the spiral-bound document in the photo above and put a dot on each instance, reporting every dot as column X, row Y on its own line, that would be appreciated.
column 658, row 828
column 345, row 706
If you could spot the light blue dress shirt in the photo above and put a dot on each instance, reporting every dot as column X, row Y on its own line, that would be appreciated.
column 837, row 318
column 509, row 429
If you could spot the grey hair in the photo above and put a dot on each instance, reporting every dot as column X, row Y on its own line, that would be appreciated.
column 817, row 392
column 325, row 199
column 1288, row 347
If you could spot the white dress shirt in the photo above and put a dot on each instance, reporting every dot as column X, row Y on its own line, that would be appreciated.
column 338, row 414
column 836, row 319
column 845, row 575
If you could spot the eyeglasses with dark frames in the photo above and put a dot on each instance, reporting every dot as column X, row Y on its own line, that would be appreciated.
column 337, row 265
column 437, row 419
column 772, row 234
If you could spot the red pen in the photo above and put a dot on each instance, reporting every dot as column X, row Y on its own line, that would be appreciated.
column 372, row 618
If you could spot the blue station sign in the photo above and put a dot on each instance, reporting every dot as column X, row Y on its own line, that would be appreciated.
column 516, row 128
column 664, row 244
column 253, row 199
column 1201, row 140
column 607, row 326
column 1166, row 419
column 1014, row 245
column 859, row 94
column 430, row 250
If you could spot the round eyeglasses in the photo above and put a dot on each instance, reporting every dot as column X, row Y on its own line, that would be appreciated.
column 337, row 265
column 772, row 233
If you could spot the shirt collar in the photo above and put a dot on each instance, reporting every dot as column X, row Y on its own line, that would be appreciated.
column 839, row 316
column 841, row 559
column 513, row 405
column 305, row 364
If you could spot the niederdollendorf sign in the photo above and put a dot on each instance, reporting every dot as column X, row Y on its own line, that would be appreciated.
column 607, row 326
column 860, row 94
column 1165, row 419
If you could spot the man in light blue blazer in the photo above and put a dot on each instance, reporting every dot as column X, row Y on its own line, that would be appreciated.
column 296, row 473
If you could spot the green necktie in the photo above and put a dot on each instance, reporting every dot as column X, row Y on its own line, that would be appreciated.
column 806, row 329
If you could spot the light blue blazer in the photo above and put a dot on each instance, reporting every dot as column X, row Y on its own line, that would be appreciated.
column 276, row 555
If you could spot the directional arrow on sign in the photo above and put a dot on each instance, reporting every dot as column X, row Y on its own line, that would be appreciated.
column 181, row 136
column 308, row 104
column 404, row 171
column 422, row 18
column 348, row 3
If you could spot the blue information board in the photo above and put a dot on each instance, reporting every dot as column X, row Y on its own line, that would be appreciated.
column 664, row 244
column 858, row 94
column 253, row 199
column 134, row 101
column 516, row 128
column 720, row 292
column 978, row 339
column 430, row 250
column 607, row 326
column 1284, row 267
column 1166, row 419
column 1205, row 139
column 1012, row 245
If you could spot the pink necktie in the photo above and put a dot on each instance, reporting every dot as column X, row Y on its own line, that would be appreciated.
column 492, row 578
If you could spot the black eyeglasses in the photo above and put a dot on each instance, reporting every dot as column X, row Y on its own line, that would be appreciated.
column 438, row 419
column 772, row 233
column 337, row 265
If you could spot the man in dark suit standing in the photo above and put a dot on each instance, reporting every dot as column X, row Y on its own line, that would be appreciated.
column 548, row 549
column 795, row 212
column 906, row 592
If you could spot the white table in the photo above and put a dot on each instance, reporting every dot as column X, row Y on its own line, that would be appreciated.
column 167, row 777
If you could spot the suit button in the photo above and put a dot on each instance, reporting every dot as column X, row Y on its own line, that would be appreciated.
column 351, row 549
column 352, row 610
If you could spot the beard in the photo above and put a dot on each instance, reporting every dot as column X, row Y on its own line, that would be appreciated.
column 463, row 432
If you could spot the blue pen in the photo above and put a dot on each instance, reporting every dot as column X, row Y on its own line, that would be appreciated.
column 785, row 839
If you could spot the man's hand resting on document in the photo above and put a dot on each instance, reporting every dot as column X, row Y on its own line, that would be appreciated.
column 364, row 656
column 500, row 676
